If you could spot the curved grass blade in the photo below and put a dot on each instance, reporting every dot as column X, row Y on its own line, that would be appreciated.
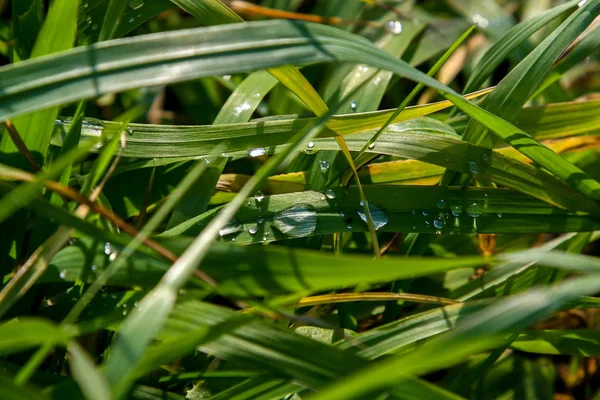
column 330, row 47
column 509, row 42
column 514, row 90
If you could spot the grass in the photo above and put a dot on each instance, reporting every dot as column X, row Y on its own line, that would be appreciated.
column 332, row 200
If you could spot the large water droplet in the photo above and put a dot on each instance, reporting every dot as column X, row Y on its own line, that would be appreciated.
column 439, row 223
column 257, row 152
column 324, row 166
column 378, row 215
column 252, row 230
column 371, row 146
column 474, row 167
column 330, row 194
column 234, row 226
column 297, row 221
column 394, row 27
column 474, row 210
column 135, row 4
column 441, row 204
column 456, row 211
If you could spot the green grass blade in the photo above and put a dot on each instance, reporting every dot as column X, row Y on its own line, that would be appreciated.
column 509, row 42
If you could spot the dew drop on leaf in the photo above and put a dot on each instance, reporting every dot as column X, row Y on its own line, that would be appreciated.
column 394, row 27
column 378, row 215
column 296, row 221
column 257, row 152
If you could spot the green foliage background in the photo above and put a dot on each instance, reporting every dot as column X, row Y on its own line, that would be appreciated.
column 294, row 199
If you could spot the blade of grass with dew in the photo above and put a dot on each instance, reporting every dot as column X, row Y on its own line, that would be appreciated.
column 515, row 89
column 434, row 69
column 156, row 306
column 511, row 40
column 503, row 129
column 297, row 271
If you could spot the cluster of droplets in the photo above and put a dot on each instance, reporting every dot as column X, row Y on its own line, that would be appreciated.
column 324, row 166
column 394, row 27
column 481, row 21
column 110, row 251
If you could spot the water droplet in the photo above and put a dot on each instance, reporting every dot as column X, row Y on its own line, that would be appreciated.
column 92, row 127
column 113, row 296
column 439, row 223
column 260, row 220
column 378, row 215
column 427, row 223
column 349, row 226
column 324, row 166
column 252, row 230
column 257, row 152
column 297, row 221
column 310, row 148
column 63, row 274
column 414, row 212
column 330, row 194
column 480, row 21
column 249, row 202
column 108, row 249
column 241, row 108
column 233, row 239
column 130, row 20
column 441, row 204
column 264, row 239
column 456, row 211
column 94, row 267
column 227, row 77
column 135, row 4
column 371, row 146
column 124, row 312
column 414, row 227
column 259, row 196
column 425, row 213
column 361, row 203
column 394, row 27
column 377, row 80
column 234, row 226
column 342, row 214
column 353, row 105
column 474, row 167
column 499, row 215
column 113, row 256
column 256, row 94
column 474, row 210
